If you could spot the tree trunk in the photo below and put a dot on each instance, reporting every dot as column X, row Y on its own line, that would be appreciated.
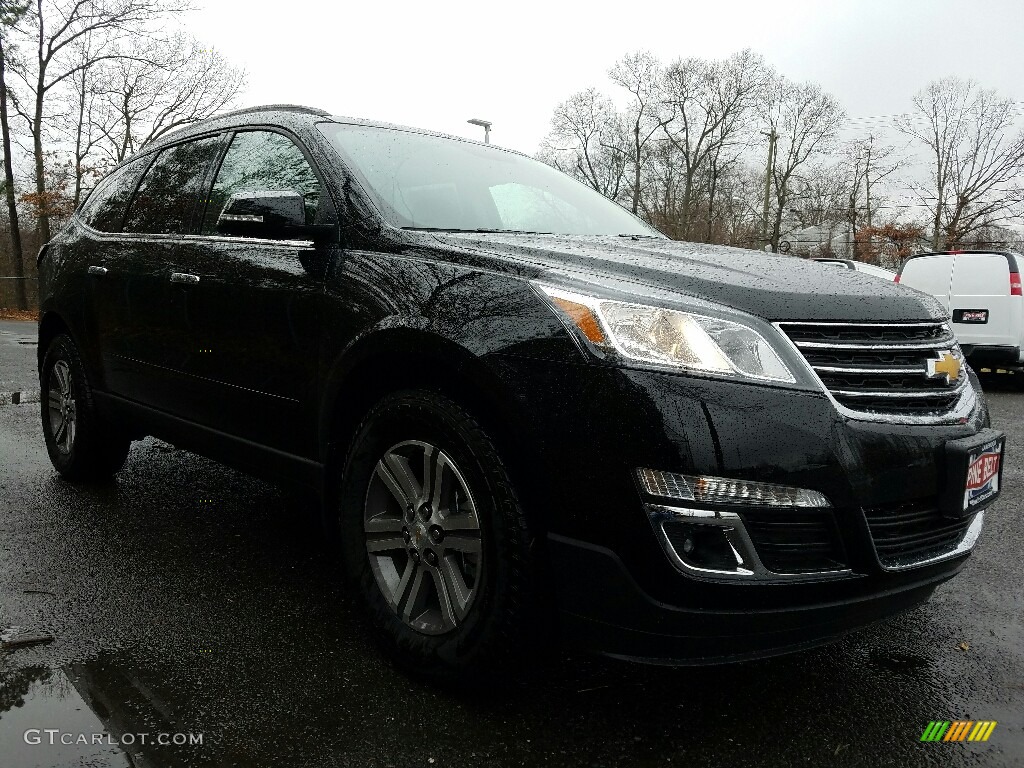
column 43, row 214
column 781, row 197
column 636, row 170
column 776, row 230
column 79, row 130
column 684, row 213
column 12, row 203
column 936, row 226
column 712, row 188
column 37, row 148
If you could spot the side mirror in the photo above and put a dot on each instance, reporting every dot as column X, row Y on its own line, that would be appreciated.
column 272, row 214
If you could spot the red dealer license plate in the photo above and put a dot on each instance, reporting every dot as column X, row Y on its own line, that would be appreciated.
column 974, row 473
column 983, row 475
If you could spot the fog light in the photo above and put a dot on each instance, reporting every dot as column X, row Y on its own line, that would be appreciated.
column 702, row 546
column 723, row 490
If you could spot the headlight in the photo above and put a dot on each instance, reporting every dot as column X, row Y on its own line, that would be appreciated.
column 668, row 337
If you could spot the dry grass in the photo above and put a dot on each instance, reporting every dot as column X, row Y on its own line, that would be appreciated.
column 18, row 314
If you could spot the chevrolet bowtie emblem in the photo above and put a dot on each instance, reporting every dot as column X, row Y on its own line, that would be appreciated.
column 947, row 365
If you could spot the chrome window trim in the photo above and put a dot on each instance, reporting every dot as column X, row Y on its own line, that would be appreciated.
column 192, row 239
column 962, row 409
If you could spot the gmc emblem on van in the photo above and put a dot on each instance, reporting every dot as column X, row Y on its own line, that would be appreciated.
column 947, row 365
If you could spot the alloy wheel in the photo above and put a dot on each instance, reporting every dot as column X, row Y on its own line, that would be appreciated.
column 423, row 537
column 62, row 407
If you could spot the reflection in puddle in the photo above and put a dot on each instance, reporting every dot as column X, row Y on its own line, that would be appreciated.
column 90, row 714
column 35, row 700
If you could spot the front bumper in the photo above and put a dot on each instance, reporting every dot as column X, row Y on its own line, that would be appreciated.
column 591, row 427
column 605, row 610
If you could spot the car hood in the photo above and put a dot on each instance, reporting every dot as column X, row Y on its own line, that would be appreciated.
column 770, row 286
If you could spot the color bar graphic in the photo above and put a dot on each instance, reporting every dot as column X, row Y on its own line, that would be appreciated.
column 958, row 730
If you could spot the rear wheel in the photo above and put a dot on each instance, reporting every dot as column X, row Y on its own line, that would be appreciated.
column 82, row 446
column 436, row 541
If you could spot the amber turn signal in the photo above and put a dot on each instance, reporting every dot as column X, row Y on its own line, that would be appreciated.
column 583, row 318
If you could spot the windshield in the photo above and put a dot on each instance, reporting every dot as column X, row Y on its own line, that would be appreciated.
column 431, row 182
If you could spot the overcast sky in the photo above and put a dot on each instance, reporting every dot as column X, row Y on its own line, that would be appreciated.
column 435, row 64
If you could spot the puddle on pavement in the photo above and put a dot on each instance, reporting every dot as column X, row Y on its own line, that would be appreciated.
column 35, row 699
column 95, row 714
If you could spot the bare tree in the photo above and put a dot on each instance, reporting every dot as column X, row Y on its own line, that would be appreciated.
column 10, row 14
column 879, row 164
column 805, row 120
column 83, row 111
column 862, row 165
column 976, row 157
column 640, row 74
column 708, row 105
column 159, row 85
column 820, row 195
column 58, row 25
column 587, row 142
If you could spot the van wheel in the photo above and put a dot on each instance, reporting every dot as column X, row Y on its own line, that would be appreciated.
column 435, row 541
column 82, row 446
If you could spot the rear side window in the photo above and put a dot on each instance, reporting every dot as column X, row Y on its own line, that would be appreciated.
column 262, row 161
column 104, row 210
column 166, row 198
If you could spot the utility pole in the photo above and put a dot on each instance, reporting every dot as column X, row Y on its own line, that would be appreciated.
column 772, row 138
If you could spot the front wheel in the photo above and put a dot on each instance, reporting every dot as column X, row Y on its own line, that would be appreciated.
column 82, row 446
column 435, row 540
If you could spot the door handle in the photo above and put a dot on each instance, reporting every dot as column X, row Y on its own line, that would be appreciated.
column 184, row 277
column 98, row 271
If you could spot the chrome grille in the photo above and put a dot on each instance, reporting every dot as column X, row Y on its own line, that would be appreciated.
column 881, row 369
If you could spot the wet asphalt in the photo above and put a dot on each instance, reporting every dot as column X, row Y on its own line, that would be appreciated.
column 186, row 598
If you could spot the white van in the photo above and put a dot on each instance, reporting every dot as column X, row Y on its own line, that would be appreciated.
column 981, row 290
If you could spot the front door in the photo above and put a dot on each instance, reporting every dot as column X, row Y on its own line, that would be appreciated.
column 253, row 314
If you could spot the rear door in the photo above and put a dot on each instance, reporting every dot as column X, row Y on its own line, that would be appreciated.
column 981, row 283
column 932, row 274
column 253, row 315
column 104, row 261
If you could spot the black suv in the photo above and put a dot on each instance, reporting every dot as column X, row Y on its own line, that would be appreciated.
column 513, row 396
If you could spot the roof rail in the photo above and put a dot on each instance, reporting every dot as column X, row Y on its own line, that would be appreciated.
column 277, row 108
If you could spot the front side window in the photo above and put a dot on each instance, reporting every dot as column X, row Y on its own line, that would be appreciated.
column 422, row 181
column 167, row 195
column 262, row 161
column 104, row 209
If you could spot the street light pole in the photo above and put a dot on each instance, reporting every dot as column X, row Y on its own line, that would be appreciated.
column 486, row 125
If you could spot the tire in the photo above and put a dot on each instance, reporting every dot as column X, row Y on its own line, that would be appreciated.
column 397, row 561
column 83, row 447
